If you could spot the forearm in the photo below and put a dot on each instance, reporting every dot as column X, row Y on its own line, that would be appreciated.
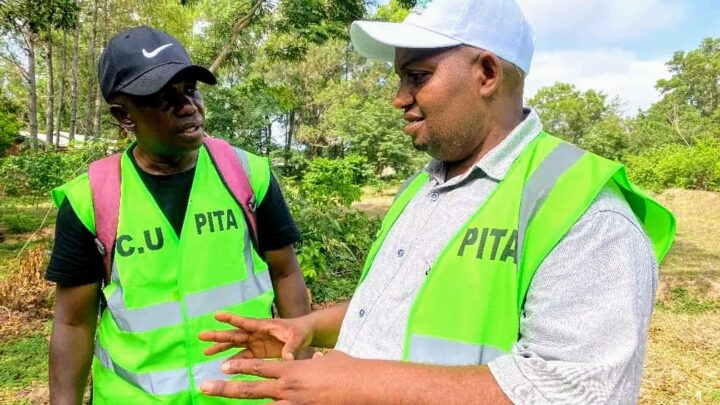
column 325, row 324
column 395, row 382
column 71, row 351
column 291, row 297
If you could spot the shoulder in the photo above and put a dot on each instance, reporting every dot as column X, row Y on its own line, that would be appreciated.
column 79, row 196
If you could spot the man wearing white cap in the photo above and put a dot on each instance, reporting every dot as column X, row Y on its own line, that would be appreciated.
column 514, row 268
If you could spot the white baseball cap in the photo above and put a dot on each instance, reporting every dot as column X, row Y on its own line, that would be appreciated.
column 498, row 26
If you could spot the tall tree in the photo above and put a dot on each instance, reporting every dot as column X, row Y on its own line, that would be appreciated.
column 50, row 81
column 22, row 22
column 90, row 68
column 61, row 98
column 74, row 80
column 98, row 98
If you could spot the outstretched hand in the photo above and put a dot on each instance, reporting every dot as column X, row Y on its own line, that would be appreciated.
column 261, row 338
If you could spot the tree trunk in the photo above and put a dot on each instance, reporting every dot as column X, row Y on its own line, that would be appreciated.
column 289, row 129
column 32, row 100
column 92, row 69
column 74, row 83
column 61, row 99
column 50, row 107
column 98, row 96
column 237, row 28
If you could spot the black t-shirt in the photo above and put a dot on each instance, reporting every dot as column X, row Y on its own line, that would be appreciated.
column 75, row 258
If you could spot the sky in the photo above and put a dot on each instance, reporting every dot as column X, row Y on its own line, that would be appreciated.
column 619, row 47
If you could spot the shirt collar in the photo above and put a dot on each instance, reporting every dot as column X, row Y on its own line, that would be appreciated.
column 496, row 163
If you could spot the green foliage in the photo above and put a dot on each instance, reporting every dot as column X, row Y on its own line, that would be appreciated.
column 696, row 77
column 334, row 243
column 335, row 181
column 21, row 223
column 23, row 362
column 9, row 130
column 693, row 167
column 569, row 113
column 36, row 172
column 394, row 11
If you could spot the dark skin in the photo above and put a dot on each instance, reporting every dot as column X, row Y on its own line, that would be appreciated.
column 168, row 126
column 459, row 103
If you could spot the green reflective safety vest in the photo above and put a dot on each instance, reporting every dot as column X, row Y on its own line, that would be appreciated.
column 468, row 310
column 164, row 290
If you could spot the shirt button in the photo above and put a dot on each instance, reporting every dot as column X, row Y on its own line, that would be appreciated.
column 362, row 313
column 434, row 196
column 401, row 253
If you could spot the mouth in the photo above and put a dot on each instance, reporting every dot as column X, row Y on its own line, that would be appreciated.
column 414, row 123
column 191, row 129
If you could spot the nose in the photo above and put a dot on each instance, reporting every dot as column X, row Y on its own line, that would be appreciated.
column 185, row 106
column 403, row 98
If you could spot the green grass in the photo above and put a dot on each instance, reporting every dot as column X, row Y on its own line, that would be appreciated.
column 680, row 301
column 23, row 362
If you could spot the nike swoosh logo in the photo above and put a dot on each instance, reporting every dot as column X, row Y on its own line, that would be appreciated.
column 155, row 52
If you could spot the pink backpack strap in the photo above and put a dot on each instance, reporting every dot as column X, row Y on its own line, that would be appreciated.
column 104, row 177
column 233, row 172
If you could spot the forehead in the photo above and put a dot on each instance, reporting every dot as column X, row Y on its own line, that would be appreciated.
column 410, row 56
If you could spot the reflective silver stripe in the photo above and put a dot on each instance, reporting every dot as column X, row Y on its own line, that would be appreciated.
column 197, row 304
column 208, row 302
column 434, row 350
column 244, row 161
column 163, row 382
column 140, row 319
column 541, row 183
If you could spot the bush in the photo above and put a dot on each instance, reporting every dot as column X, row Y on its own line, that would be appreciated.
column 335, row 181
column 696, row 167
column 20, row 223
column 335, row 241
column 25, row 289
column 36, row 172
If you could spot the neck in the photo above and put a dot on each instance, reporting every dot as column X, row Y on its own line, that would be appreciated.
column 500, row 126
column 163, row 165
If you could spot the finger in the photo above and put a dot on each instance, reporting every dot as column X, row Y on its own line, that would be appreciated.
column 245, row 354
column 283, row 402
column 291, row 346
column 317, row 355
column 217, row 348
column 247, row 324
column 234, row 336
column 256, row 367
column 240, row 389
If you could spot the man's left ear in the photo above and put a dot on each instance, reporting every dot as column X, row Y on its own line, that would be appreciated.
column 122, row 115
column 488, row 72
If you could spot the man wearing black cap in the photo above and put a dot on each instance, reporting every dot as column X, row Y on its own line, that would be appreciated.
column 184, row 243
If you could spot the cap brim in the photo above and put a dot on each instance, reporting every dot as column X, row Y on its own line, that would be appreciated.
column 378, row 40
column 155, row 79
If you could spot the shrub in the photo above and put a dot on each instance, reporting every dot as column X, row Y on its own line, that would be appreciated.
column 36, row 172
column 25, row 289
column 695, row 167
column 335, row 181
column 335, row 241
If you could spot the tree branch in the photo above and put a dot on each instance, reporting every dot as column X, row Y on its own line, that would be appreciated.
column 237, row 28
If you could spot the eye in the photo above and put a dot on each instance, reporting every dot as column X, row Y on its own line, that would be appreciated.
column 191, row 91
column 418, row 77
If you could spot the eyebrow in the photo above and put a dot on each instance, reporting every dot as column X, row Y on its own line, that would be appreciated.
column 425, row 54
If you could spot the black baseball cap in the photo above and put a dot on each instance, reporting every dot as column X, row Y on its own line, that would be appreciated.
column 142, row 60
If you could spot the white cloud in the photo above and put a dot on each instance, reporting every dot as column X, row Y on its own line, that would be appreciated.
column 616, row 72
column 601, row 20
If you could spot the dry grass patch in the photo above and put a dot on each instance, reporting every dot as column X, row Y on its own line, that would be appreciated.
column 23, row 288
column 682, row 365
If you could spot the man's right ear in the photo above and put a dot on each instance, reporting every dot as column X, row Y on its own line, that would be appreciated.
column 122, row 116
